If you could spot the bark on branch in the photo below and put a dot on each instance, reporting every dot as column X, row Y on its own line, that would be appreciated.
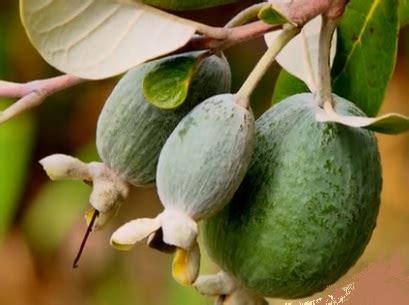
column 33, row 93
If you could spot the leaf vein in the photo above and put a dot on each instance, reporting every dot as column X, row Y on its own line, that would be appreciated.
column 358, row 41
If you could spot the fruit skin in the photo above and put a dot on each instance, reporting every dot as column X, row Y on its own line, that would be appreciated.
column 180, row 5
column 205, row 159
column 307, row 207
column 131, row 131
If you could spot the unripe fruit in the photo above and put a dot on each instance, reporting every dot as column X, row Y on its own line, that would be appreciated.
column 200, row 167
column 307, row 207
column 131, row 131
column 205, row 159
column 180, row 5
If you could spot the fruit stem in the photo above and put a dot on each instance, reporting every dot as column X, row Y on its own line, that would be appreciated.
column 265, row 62
column 245, row 15
column 324, row 89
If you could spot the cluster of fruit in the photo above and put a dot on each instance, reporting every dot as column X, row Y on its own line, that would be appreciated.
column 288, row 203
column 302, row 215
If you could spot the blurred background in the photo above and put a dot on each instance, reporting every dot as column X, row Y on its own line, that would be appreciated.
column 42, row 224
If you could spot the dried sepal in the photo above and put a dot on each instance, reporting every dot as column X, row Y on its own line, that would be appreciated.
column 108, row 189
column 186, row 265
column 227, row 290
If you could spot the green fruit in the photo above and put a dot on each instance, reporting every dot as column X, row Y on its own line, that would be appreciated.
column 131, row 131
column 205, row 159
column 307, row 207
column 180, row 5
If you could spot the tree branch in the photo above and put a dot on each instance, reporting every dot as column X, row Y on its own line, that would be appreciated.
column 33, row 93
column 233, row 36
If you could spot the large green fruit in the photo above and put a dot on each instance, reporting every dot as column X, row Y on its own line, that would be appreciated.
column 131, row 131
column 307, row 207
column 180, row 5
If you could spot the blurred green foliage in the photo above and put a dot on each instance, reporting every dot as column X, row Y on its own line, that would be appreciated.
column 16, row 140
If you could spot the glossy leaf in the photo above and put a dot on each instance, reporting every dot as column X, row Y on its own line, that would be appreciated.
column 366, row 52
column 97, row 39
column 16, row 141
column 300, row 56
column 391, row 123
column 271, row 16
column 167, row 85
column 286, row 86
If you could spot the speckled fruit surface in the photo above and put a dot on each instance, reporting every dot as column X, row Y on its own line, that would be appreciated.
column 307, row 206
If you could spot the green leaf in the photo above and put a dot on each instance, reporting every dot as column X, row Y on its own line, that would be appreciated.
column 391, row 123
column 98, row 39
column 403, row 12
column 286, row 86
column 271, row 16
column 167, row 85
column 16, row 141
column 366, row 52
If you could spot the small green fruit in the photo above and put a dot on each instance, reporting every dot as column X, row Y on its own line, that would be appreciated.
column 180, row 5
column 131, row 131
column 307, row 207
column 206, row 157
column 200, row 168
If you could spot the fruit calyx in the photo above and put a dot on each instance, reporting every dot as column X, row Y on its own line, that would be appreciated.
column 179, row 231
column 227, row 290
column 108, row 190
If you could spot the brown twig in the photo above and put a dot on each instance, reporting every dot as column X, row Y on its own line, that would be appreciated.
column 233, row 36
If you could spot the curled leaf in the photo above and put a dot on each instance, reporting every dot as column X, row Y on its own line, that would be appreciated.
column 167, row 85
column 300, row 56
column 392, row 123
column 271, row 16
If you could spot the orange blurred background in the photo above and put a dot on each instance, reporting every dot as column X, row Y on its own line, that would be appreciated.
column 41, row 222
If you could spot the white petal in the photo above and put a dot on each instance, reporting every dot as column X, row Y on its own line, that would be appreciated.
column 60, row 166
column 132, row 232
column 216, row 284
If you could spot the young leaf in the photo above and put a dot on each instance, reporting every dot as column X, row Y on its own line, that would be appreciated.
column 403, row 12
column 96, row 39
column 271, row 16
column 391, row 123
column 366, row 53
column 286, row 86
column 167, row 85
column 300, row 56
